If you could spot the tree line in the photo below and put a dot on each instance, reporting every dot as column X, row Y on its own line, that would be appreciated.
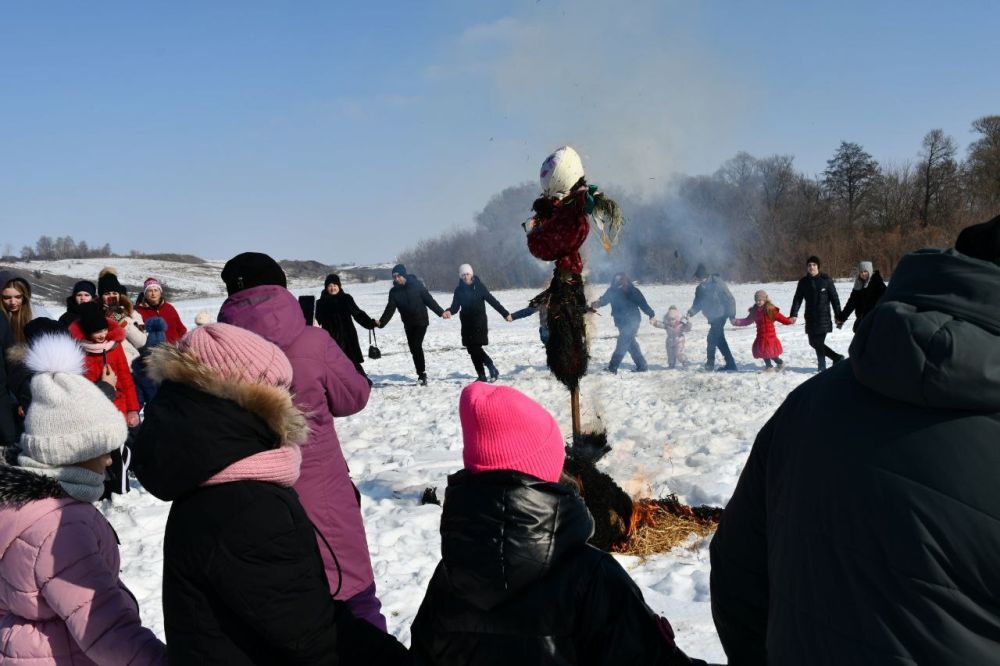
column 755, row 218
column 47, row 248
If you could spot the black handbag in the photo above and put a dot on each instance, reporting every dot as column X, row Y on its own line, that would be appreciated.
column 373, row 350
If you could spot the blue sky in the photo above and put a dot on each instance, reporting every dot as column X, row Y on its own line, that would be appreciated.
column 348, row 131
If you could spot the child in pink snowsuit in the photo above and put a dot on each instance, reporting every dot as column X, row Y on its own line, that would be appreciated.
column 766, row 345
column 676, row 327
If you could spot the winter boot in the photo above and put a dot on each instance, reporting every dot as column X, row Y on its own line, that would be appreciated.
column 481, row 378
column 494, row 373
column 422, row 379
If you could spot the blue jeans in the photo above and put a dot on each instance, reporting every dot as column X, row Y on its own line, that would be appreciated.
column 627, row 343
column 717, row 339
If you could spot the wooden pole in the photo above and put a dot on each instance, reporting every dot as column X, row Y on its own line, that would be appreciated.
column 574, row 397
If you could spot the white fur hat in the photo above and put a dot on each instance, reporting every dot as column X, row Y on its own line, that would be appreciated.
column 465, row 269
column 69, row 420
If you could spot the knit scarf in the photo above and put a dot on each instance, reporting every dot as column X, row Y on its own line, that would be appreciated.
column 278, row 466
column 79, row 483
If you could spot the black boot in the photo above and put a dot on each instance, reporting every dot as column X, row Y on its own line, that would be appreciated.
column 494, row 373
column 422, row 379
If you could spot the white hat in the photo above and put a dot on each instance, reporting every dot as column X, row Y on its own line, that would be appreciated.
column 203, row 318
column 560, row 171
column 69, row 420
column 465, row 269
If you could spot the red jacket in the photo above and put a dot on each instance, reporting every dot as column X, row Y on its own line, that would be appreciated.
column 560, row 237
column 175, row 327
column 766, row 344
column 94, row 358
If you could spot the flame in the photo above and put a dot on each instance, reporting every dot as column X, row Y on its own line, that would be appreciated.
column 643, row 513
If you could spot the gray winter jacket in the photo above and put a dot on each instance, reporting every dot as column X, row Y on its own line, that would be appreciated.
column 713, row 299
column 874, row 539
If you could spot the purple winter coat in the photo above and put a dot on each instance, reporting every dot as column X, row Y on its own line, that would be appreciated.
column 325, row 384
column 61, row 601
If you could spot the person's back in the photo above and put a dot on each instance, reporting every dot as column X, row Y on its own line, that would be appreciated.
column 874, row 538
column 325, row 384
column 518, row 583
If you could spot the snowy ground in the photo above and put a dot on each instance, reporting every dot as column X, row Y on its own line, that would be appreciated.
column 682, row 431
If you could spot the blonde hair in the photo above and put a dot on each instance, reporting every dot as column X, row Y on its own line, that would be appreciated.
column 18, row 320
column 769, row 308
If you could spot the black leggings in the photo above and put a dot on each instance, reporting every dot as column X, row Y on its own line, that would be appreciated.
column 415, row 340
column 818, row 342
column 480, row 359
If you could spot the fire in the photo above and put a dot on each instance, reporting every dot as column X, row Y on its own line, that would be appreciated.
column 643, row 513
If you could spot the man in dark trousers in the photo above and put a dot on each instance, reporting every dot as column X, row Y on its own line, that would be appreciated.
column 873, row 539
column 626, row 302
column 411, row 298
column 716, row 302
column 819, row 294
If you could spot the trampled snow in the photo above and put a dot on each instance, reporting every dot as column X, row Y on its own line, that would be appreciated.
column 681, row 431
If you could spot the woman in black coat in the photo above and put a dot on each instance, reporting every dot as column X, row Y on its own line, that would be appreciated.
column 471, row 297
column 334, row 311
column 243, row 581
column 868, row 289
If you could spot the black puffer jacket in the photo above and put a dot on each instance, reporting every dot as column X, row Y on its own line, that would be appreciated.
column 626, row 302
column 862, row 301
column 818, row 293
column 518, row 585
column 875, row 540
column 412, row 300
column 335, row 313
column 470, row 300
column 243, row 582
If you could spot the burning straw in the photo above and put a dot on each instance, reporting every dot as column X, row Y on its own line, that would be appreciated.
column 658, row 525
column 642, row 527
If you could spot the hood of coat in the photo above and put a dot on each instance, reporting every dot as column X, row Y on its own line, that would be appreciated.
column 270, row 311
column 934, row 338
column 200, row 423
column 115, row 335
column 18, row 486
column 502, row 530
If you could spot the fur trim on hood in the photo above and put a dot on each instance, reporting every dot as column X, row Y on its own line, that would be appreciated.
column 19, row 486
column 16, row 353
column 271, row 403
column 108, row 270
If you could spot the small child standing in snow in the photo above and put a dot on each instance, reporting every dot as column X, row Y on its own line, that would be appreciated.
column 766, row 345
column 675, row 326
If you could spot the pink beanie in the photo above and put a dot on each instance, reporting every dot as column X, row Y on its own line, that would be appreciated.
column 236, row 353
column 151, row 283
column 504, row 429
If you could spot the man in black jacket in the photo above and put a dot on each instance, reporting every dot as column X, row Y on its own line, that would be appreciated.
column 626, row 302
column 411, row 298
column 874, row 539
column 819, row 293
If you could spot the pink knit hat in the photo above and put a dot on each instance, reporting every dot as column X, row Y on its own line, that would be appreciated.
column 151, row 283
column 504, row 429
column 236, row 353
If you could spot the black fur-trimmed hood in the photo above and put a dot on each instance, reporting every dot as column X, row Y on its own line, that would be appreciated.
column 18, row 486
column 200, row 423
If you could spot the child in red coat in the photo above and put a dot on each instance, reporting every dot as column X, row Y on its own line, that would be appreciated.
column 766, row 345
column 101, row 340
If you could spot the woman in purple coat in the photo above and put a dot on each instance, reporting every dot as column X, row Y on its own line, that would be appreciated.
column 326, row 384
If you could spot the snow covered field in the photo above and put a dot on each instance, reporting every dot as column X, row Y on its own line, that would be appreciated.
column 682, row 431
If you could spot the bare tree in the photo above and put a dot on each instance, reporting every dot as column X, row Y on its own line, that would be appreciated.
column 850, row 176
column 938, row 175
column 983, row 165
